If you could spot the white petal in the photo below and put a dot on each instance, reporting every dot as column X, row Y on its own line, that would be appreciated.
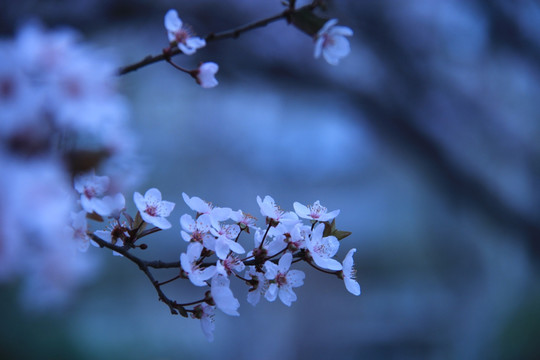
column 222, row 248
column 329, row 216
column 159, row 222
column 172, row 22
column 139, row 201
column 285, row 263
column 352, row 286
column 287, row 295
column 152, row 193
column 271, row 293
column 341, row 30
column 318, row 48
column 166, row 207
column 271, row 270
column 301, row 210
column 236, row 247
column 295, row 278
column 326, row 263
column 348, row 262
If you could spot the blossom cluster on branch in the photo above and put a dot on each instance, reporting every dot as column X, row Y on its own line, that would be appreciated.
column 62, row 119
column 215, row 254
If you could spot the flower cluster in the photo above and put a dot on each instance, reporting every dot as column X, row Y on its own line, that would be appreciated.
column 60, row 115
column 215, row 255
column 267, row 268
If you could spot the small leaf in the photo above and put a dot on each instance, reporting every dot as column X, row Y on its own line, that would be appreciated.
column 340, row 234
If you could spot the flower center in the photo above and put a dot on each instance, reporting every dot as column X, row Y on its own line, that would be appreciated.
column 151, row 210
column 281, row 279
column 181, row 36
column 89, row 192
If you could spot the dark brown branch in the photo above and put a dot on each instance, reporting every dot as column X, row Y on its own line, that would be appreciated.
column 234, row 33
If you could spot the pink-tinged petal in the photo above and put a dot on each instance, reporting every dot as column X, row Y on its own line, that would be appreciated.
column 285, row 263
column 301, row 210
column 171, row 21
column 295, row 278
column 236, row 247
column 352, row 286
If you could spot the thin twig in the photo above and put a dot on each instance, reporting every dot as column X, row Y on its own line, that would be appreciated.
column 174, row 307
column 234, row 33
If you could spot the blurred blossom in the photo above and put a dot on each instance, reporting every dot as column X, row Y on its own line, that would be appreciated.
column 58, row 102
column 331, row 42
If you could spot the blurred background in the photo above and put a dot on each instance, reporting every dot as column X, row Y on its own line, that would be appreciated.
column 426, row 137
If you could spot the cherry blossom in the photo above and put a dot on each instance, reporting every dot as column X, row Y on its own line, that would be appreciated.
column 112, row 206
column 349, row 274
column 225, row 241
column 216, row 214
column 197, row 275
column 206, row 75
column 330, row 41
column 153, row 210
column 223, row 296
column 195, row 230
column 116, row 232
column 314, row 212
column 245, row 221
column 229, row 265
column 92, row 188
column 181, row 35
column 206, row 314
column 282, row 280
column 321, row 249
column 259, row 285
column 79, row 226
column 271, row 245
column 272, row 211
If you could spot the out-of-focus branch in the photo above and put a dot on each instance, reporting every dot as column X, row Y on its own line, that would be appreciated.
column 233, row 33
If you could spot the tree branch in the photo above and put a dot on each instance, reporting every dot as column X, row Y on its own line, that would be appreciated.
column 233, row 33
column 174, row 307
